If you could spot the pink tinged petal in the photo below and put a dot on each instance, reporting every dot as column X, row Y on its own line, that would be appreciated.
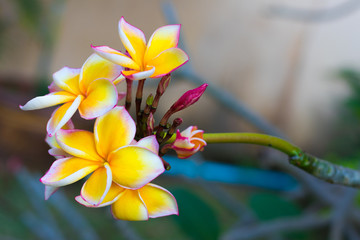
column 97, row 67
column 49, row 190
column 159, row 201
column 68, row 170
column 51, row 141
column 48, row 100
column 168, row 61
column 188, row 98
column 101, row 96
column 78, row 143
column 150, row 143
column 97, row 186
column 137, row 75
column 133, row 166
column 54, row 88
column 116, row 57
column 62, row 115
column 130, row 207
column 68, row 79
column 121, row 95
column 112, row 196
column 119, row 80
column 58, row 153
column 113, row 130
column 133, row 40
column 162, row 39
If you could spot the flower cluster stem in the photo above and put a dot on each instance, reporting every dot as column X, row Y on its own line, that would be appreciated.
column 138, row 98
column 128, row 94
column 317, row 167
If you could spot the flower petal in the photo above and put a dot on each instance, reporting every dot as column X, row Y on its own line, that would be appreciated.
column 62, row 115
column 58, row 153
column 133, row 40
column 68, row 170
column 79, row 143
column 53, row 87
column 116, row 56
column 97, row 186
column 168, row 61
column 159, row 201
column 48, row 100
column 68, row 79
column 150, row 143
column 136, row 75
column 51, row 141
column 163, row 38
column 129, row 207
column 101, row 97
column 50, row 190
column 111, row 197
column 133, row 166
column 113, row 130
column 119, row 79
column 97, row 67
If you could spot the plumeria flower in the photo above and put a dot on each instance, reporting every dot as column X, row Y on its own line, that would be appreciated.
column 155, row 59
column 90, row 89
column 188, row 142
column 107, row 154
column 150, row 201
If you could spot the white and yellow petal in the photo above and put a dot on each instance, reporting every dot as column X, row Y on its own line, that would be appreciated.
column 116, row 57
column 97, row 67
column 97, row 186
column 139, row 75
column 111, row 197
column 113, row 130
column 68, row 170
column 68, row 79
column 129, row 207
column 101, row 96
column 133, row 40
column 168, row 61
column 78, row 143
column 159, row 201
column 62, row 115
column 162, row 39
column 48, row 100
column 134, row 166
column 150, row 143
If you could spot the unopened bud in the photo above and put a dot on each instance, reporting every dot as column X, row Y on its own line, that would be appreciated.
column 188, row 98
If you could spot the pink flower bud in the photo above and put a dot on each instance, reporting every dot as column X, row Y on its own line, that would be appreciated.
column 188, row 142
column 188, row 98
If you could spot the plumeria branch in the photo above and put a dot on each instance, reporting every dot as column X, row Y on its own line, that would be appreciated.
column 315, row 166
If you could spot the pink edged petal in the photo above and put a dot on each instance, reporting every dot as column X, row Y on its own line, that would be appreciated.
column 51, row 141
column 97, row 186
column 112, row 196
column 119, row 80
column 101, row 96
column 163, row 38
column 133, row 40
column 136, row 75
column 54, row 88
column 68, row 79
column 68, row 170
column 133, row 166
column 168, row 61
column 113, row 130
column 58, row 153
column 50, row 190
column 130, row 207
column 97, row 67
column 159, row 201
column 62, row 115
column 150, row 143
column 48, row 100
column 78, row 143
column 116, row 57
column 121, row 95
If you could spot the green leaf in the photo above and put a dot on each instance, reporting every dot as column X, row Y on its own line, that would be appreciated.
column 196, row 217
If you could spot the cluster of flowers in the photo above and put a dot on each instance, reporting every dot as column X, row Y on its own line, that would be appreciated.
column 123, row 156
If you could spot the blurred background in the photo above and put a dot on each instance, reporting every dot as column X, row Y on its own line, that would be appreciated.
column 285, row 68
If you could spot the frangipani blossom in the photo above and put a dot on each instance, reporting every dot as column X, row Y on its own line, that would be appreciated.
column 155, row 59
column 90, row 89
column 107, row 154
column 188, row 142
column 150, row 201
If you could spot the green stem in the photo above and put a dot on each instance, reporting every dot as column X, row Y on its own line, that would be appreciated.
column 317, row 167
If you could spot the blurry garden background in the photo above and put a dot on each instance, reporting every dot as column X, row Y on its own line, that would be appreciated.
column 290, row 69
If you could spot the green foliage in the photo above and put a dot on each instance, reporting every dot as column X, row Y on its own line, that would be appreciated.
column 30, row 12
column 196, row 218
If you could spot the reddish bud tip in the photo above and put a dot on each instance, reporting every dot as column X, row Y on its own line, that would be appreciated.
column 188, row 98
